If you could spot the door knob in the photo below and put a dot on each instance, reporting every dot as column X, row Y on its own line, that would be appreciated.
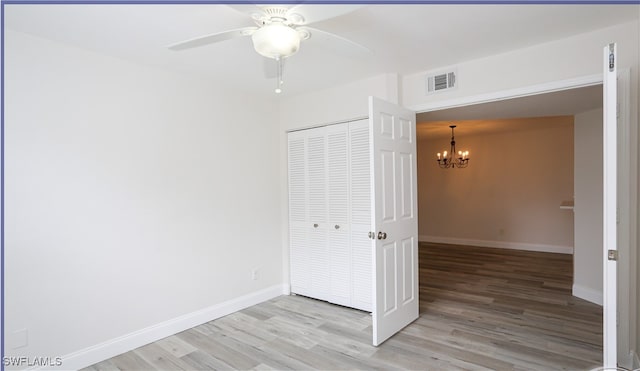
column 337, row 226
column 382, row 235
column 379, row 235
column 315, row 225
column 372, row 235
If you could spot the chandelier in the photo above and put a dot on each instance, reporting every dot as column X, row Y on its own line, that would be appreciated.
column 448, row 160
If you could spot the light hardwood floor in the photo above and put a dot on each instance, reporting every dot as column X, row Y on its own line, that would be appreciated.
column 480, row 309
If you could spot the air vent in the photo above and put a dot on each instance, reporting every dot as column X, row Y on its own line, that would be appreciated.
column 441, row 81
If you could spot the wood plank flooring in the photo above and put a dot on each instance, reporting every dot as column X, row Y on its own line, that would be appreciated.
column 481, row 309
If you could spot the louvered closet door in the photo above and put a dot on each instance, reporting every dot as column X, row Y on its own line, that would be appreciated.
column 360, row 207
column 300, row 255
column 339, row 245
column 317, row 204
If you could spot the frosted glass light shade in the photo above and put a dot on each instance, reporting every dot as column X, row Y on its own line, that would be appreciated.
column 276, row 40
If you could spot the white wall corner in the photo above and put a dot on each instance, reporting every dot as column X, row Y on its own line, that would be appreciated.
column 588, row 294
column 286, row 289
column 498, row 244
column 111, row 348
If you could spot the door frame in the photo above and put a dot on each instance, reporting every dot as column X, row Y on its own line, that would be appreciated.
column 627, row 183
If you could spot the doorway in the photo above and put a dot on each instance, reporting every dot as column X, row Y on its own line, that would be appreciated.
column 466, row 108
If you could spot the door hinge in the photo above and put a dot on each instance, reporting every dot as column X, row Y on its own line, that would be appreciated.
column 613, row 255
column 612, row 58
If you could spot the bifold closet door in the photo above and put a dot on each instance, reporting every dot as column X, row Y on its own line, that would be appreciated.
column 309, row 260
column 317, row 204
column 330, row 214
column 339, row 244
column 360, row 208
column 300, row 256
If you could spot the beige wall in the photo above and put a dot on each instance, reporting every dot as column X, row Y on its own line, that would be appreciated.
column 510, row 194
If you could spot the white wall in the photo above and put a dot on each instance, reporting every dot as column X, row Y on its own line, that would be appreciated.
column 563, row 59
column 510, row 194
column 336, row 104
column 587, row 258
column 133, row 196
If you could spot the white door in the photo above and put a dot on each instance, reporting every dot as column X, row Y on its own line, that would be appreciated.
column 395, row 219
column 609, row 207
column 317, row 201
column 339, row 246
column 360, row 207
column 300, row 261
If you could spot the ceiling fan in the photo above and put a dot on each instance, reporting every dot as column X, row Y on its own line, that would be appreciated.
column 279, row 30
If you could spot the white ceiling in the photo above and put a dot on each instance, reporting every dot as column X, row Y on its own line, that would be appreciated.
column 404, row 38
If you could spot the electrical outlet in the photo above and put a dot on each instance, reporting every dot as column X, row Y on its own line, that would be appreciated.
column 254, row 274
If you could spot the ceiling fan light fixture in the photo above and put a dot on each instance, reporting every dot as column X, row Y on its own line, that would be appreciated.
column 276, row 40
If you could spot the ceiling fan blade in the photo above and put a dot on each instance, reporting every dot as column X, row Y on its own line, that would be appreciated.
column 340, row 44
column 320, row 12
column 213, row 38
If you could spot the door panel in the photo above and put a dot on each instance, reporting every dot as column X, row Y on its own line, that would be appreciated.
column 339, row 246
column 361, row 244
column 406, row 182
column 394, row 219
column 408, row 283
column 387, row 193
column 317, row 225
column 390, row 275
column 298, row 215
column 386, row 128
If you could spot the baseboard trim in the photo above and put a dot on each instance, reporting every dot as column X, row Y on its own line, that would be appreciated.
column 587, row 294
column 498, row 244
column 111, row 348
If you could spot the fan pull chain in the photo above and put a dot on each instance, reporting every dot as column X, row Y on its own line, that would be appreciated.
column 279, row 80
